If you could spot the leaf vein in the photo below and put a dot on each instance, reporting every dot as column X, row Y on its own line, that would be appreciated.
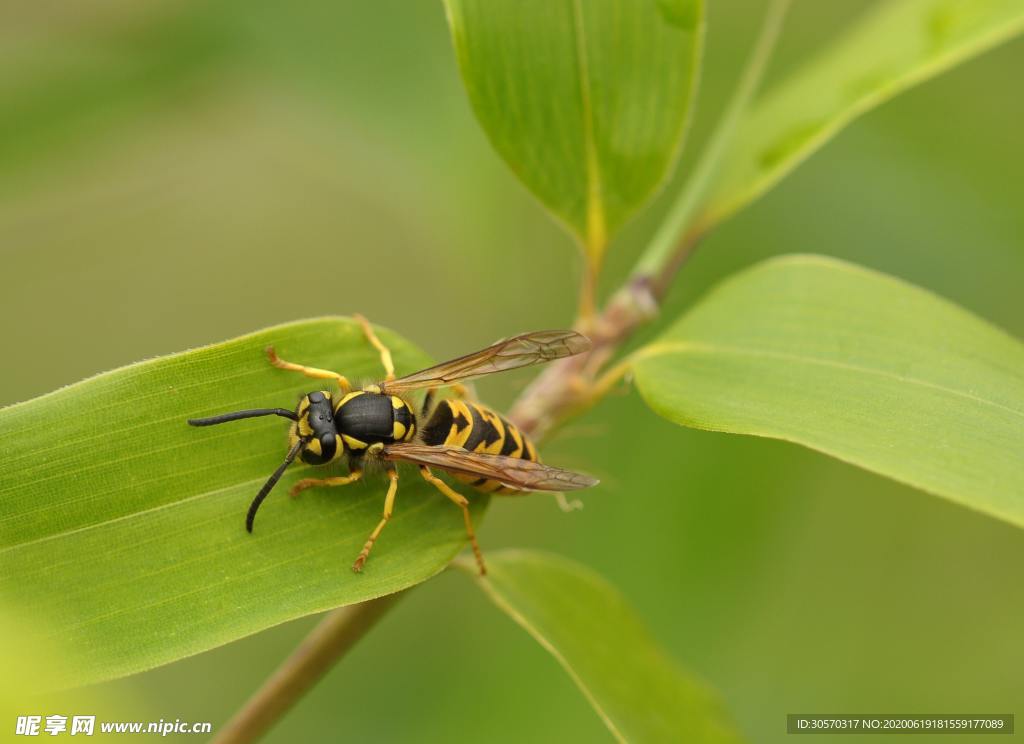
column 666, row 348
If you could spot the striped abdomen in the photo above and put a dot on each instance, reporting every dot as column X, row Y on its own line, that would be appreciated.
column 476, row 428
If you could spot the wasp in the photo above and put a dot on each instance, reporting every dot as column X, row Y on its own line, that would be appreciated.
column 378, row 422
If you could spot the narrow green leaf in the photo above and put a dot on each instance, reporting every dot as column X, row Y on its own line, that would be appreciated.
column 122, row 528
column 586, row 101
column 26, row 686
column 590, row 629
column 856, row 364
column 896, row 45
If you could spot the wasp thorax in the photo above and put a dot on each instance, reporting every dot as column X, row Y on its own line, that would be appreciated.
column 364, row 418
column 316, row 424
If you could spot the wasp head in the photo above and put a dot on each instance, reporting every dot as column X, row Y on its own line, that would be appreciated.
column 315, row 424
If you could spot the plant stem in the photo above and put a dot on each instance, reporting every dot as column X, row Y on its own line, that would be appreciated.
column 567, row 385
column 660, row 252
column 587, row 309
column 336, row 634
column 570, row 385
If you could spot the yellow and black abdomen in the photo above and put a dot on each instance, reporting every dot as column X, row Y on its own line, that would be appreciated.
column 473, row 427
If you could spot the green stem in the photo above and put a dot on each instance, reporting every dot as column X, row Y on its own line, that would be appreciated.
column 568, row 386
column 336, row 634
column 678, row 223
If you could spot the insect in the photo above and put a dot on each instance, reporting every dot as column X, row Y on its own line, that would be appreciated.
column 378, row 422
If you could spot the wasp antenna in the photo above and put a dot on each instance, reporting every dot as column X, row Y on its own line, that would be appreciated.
column 236, row 415
column 271, row 482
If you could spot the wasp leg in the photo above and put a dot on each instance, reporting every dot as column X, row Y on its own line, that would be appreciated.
column 461, row 391
column 340, row 480
column 389, row 504
column 385, row 352
column 463, row 504
column 320, row 374
column 565, row 505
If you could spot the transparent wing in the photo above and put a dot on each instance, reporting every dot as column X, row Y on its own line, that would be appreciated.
column 518, row 351
column 511, row 471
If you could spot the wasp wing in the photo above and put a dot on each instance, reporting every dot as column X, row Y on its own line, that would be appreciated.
column 518, row 351
column 510, row 471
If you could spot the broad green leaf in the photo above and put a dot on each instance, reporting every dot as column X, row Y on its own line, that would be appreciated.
column 122, row 528
column 28, row 669
column 590, row 629
column 26, row 689
column 896, row 45
column 586, row 101
column 858, row 365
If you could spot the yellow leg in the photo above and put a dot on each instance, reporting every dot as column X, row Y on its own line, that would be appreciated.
column 320, row 374
column 340, row 480
column 565, row 505
column 461, row 502
column 460, row 391
column 389, row 504
column 385, row 352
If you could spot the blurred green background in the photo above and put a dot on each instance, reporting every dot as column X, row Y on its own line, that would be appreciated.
column 174, row 174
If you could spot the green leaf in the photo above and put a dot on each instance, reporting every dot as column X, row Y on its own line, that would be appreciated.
column 591, row 630
column 586, row 101
column 28, row 672
column 893, row 47
column 858, row 365
column 122, row 528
